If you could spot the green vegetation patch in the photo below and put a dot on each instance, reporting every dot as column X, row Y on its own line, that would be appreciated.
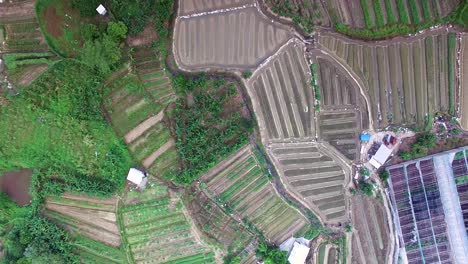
column 208, row 124
column 451, row 75
column 461, row 180
column 94, row 252
column 56, row 126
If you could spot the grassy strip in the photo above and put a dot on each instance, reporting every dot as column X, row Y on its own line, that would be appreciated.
column 402, row 12
column 123, row 234
column 314, row 83
column 378, row 13
column 414, row 12
column 99, row 249
column 390, row 16
column 430, row 121
column 365, row 11
column 426, row 10
column 451, row 81
column 461, row 180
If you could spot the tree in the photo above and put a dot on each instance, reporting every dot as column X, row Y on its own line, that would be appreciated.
column 366, row 188
column 271, row 255
column 246, row 74
column 384, row 175
column 117, row 30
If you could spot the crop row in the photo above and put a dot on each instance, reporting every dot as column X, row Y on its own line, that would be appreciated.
column 157, row 231
column 24, row 36
column 406, row 81
column 282, row 97
column 314, row 175
column 377, row 13
column 239, row 39
column 249, row 195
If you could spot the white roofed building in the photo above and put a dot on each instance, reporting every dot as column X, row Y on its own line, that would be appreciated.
column 101, row 10
column 297, row 248
column 137, row 177
column 381, row 156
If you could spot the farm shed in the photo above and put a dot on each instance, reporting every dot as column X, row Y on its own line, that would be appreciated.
column 136, row 176
column 101, row 10
column 381, row 156
column 298, row 254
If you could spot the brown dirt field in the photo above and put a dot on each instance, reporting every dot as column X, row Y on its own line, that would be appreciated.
column 371, row 230
column 17, row 10
column 30, row 74
column 77, row 197
column 16, row 185
column 95, row 224
column 54, row 25
column 144, row 38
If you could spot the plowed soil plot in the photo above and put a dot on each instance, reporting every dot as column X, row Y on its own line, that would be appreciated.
column 282, row 97
column 187, row 7
column 464, row 82
column 341, row 130
column 16, row 185
column 312, row 174
column 241, row 184
column 92, row 217
column 406, row 80
column 239, row 39
column 370, row 221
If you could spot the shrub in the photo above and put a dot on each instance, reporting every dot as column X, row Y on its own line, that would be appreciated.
column 366, row 188
column 271, row 255
column 384, row 175
column 246, row 74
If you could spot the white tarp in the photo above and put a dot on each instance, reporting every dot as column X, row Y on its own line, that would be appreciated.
column 298, row 254
column 135, row 176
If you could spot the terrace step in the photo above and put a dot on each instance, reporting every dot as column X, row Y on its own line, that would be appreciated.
column 143, row 127
column 147, row 162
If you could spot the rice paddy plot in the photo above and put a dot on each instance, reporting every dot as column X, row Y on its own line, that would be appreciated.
column 240, row 184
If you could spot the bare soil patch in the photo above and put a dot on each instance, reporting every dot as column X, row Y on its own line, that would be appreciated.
column 144, row 38
column 54, row 23
column 16, row 185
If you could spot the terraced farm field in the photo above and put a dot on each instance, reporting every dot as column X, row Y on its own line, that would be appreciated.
column 464, row 82
column 90, row 251
column 21, row 31
column 370, row 13
column 327, row 254
column 282, row 98
column 187, row 7
column 315, row 175
column 91, row 217
column 157, row 229
column 406, row 80
column 343, row 109
column 240, row 39
column 136, row 103
column 217, row 224
column 341, row 129
column 240, row 184
column 371, row 242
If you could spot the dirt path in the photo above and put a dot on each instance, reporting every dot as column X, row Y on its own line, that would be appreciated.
column 143, row 127
column 151, row 158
